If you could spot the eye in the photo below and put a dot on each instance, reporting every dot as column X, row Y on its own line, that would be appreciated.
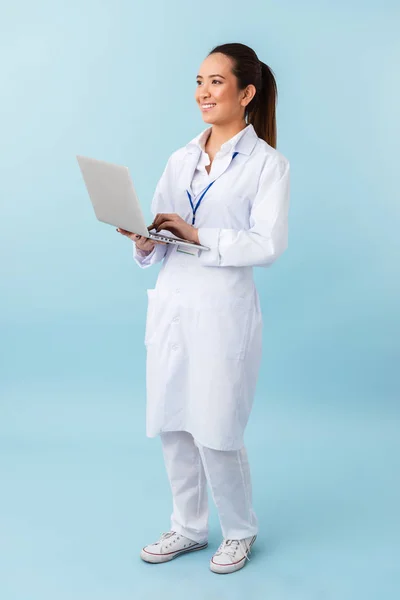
column 213, row 81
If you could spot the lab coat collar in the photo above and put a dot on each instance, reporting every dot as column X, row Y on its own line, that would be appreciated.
column 243, row 142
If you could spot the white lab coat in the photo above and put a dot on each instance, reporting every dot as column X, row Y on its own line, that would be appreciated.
column 204, row 322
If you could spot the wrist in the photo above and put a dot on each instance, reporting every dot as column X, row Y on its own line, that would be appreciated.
column 196, row 235
column 142, row 252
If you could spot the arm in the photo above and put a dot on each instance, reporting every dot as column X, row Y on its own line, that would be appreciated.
column 158, row 204
column 146, row 259
column 267, row 237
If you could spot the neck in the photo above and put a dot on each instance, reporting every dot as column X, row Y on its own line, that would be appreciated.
column 222, row 133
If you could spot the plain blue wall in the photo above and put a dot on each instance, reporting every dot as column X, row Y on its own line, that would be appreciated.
column 116, row 80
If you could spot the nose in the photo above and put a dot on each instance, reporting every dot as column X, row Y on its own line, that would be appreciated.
column 204, row 93
column 204, row 97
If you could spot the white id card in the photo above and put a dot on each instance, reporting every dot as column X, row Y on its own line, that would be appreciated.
column 187, row 250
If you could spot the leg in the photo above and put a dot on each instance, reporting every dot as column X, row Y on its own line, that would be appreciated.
column 228, row 475
column 188, row 484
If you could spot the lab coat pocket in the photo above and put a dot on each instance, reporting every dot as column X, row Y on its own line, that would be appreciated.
column 151, row 317
column 224, row 330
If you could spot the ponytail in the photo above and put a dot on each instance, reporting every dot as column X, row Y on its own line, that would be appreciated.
column 262, row 114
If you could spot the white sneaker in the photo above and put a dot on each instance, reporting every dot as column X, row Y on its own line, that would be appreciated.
column 231, row 555
column 169, row 546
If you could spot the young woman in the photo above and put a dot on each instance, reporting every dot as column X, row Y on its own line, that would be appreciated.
column 227, row 189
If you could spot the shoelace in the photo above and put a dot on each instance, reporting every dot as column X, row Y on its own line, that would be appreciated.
column 230, row 547
column 166, row 536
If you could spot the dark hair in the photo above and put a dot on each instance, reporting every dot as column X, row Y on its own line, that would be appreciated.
column 261, row 111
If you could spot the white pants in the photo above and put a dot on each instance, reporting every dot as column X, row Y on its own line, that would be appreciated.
column 190, row 466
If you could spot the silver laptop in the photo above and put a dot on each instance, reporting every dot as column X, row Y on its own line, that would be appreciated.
column 115, row 201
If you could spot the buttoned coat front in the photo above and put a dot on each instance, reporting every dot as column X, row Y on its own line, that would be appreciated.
column 204, row 323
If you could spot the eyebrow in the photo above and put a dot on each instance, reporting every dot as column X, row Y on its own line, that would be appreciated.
column 215, row 75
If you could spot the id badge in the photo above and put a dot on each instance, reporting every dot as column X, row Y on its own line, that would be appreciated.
column 187, row 250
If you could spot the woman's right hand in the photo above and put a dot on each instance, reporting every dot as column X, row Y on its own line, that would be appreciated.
column 141, row 242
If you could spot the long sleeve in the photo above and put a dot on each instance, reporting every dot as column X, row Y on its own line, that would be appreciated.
column 160, row 203
column 145, row 260
column 267, row 237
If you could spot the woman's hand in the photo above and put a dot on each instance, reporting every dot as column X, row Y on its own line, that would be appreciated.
column 141, row 242
column 176, row 225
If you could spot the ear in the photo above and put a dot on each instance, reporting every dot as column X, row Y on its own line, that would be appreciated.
column 248, row 94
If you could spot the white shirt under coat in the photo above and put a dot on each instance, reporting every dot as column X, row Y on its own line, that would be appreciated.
column 204, row 322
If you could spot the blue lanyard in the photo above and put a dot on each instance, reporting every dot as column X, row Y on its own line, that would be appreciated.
column 203, row 193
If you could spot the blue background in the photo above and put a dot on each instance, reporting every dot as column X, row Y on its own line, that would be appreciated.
column 82, row 488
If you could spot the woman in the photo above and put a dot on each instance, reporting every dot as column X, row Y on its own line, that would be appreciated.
column 228, row 189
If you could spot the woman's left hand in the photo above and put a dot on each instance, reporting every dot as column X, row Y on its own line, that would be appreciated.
column 176, row 225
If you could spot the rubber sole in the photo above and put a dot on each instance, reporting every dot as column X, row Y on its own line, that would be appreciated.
column 161, row 558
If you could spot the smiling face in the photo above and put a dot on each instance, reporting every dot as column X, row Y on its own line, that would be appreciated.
column 217, row 92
